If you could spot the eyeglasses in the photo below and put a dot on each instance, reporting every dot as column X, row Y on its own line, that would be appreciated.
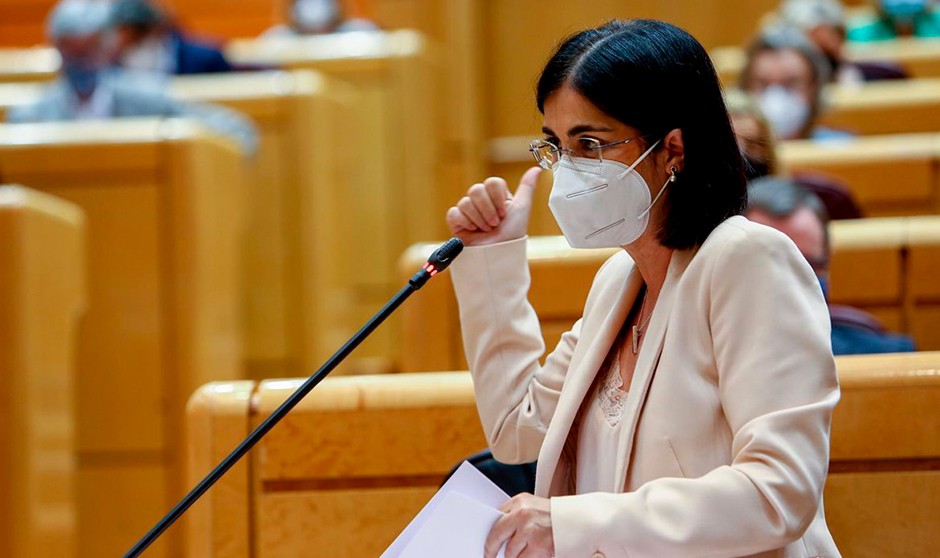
column 547, row 154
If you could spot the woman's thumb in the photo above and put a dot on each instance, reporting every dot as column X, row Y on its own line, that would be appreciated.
column 527, row 185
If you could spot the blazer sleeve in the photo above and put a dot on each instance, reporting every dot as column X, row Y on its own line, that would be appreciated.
column 516, row 396
column 777, row 387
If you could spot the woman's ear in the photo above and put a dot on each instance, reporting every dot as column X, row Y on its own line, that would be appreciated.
column 674, row 150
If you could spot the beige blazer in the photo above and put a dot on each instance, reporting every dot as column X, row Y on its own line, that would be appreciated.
column 728, row 412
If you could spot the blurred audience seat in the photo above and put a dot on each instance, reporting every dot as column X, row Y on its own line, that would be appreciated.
column 341, row 475
column 353, row 463
column 42, row 294
column 162, row 199
column 835, row 196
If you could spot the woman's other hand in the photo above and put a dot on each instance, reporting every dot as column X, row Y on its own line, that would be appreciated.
column 489, row 213
column 526, row 528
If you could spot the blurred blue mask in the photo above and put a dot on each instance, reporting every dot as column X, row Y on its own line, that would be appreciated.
column 82, row 77
column 904, row 9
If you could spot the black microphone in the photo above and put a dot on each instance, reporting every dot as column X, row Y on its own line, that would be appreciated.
column 438, row 262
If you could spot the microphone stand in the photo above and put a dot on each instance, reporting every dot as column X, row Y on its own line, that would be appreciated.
column 439, row 260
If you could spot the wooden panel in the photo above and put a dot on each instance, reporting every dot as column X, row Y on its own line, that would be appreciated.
column 890, row 107
column 877, row 501
column 436, row 412
column 390, row 172
column 119, row 503
column 217, row 421
column 880, row 393
column 866, row 165
column 162, row 200
column 340, row 523
column 42, row 290
column 871, row 515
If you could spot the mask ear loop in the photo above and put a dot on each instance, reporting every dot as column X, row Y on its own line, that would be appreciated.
column 639, row 160
column 672, row 178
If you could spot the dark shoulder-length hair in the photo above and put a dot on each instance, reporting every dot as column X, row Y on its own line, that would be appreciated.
column 656, row 78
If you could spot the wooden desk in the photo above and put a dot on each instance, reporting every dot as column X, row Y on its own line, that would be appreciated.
column 888, row 175
column 886, row 266
column 28, row 64
column 313, row 488
column 294, row 185
column 42, row 294
column 162, row 202
column 286, row 299
column 887, row 107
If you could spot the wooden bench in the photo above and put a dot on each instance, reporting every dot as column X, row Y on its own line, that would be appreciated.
column 354, row 462
column 162, row 201
column 42, row 294
column 886, row 266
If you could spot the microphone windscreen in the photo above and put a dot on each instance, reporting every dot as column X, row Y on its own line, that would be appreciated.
column 443, row 256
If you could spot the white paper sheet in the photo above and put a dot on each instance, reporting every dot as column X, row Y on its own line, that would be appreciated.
column 457, row 529
column 456, row 518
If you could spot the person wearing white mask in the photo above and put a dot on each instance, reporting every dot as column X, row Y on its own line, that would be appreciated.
column 319, row 17
column 687, row 412
column 787, row 75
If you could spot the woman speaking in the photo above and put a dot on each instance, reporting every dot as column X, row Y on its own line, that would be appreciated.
column 687, row 412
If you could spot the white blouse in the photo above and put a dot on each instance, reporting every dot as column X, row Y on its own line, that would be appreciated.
column 601, row 427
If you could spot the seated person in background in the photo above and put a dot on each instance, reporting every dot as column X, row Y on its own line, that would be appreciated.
column 787, row 74
column 320, row 17
column 87, row 89
column 824, row 23
column 755, row 138
column 148, row 41
column 897, row 18
column 798, row 213
column 759, row 150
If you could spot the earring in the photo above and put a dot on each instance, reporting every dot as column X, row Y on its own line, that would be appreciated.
column 672, row 174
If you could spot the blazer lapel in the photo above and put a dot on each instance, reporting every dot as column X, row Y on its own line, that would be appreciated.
column 648, row 359
column 601, row 331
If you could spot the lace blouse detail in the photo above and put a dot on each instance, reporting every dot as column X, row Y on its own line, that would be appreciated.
column 611, row 397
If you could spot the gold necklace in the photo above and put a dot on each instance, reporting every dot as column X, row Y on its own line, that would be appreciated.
column 639, row 327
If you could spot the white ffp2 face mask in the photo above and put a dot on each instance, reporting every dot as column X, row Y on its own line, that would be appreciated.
column 600, row 204
column 786, row 110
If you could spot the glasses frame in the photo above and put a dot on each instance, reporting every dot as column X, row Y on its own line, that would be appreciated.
column 536, row 145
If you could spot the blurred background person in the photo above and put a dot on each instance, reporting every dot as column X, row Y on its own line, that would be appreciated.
column 88, row 89
column 787, row 74
column 797, row 212
column 754, row 135
column 319, row 17
column 824, row 23
column 759, row 151
column 897, row 18
column 147, row 40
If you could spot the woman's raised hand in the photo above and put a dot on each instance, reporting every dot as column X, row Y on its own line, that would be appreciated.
column 489, row 213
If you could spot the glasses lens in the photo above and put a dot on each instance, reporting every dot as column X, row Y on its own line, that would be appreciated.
column 588, row 148
column 545, row 153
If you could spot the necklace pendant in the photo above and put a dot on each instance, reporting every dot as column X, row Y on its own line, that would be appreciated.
column 636, row 338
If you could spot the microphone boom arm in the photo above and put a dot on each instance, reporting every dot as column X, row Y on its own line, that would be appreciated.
column 439, row 260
